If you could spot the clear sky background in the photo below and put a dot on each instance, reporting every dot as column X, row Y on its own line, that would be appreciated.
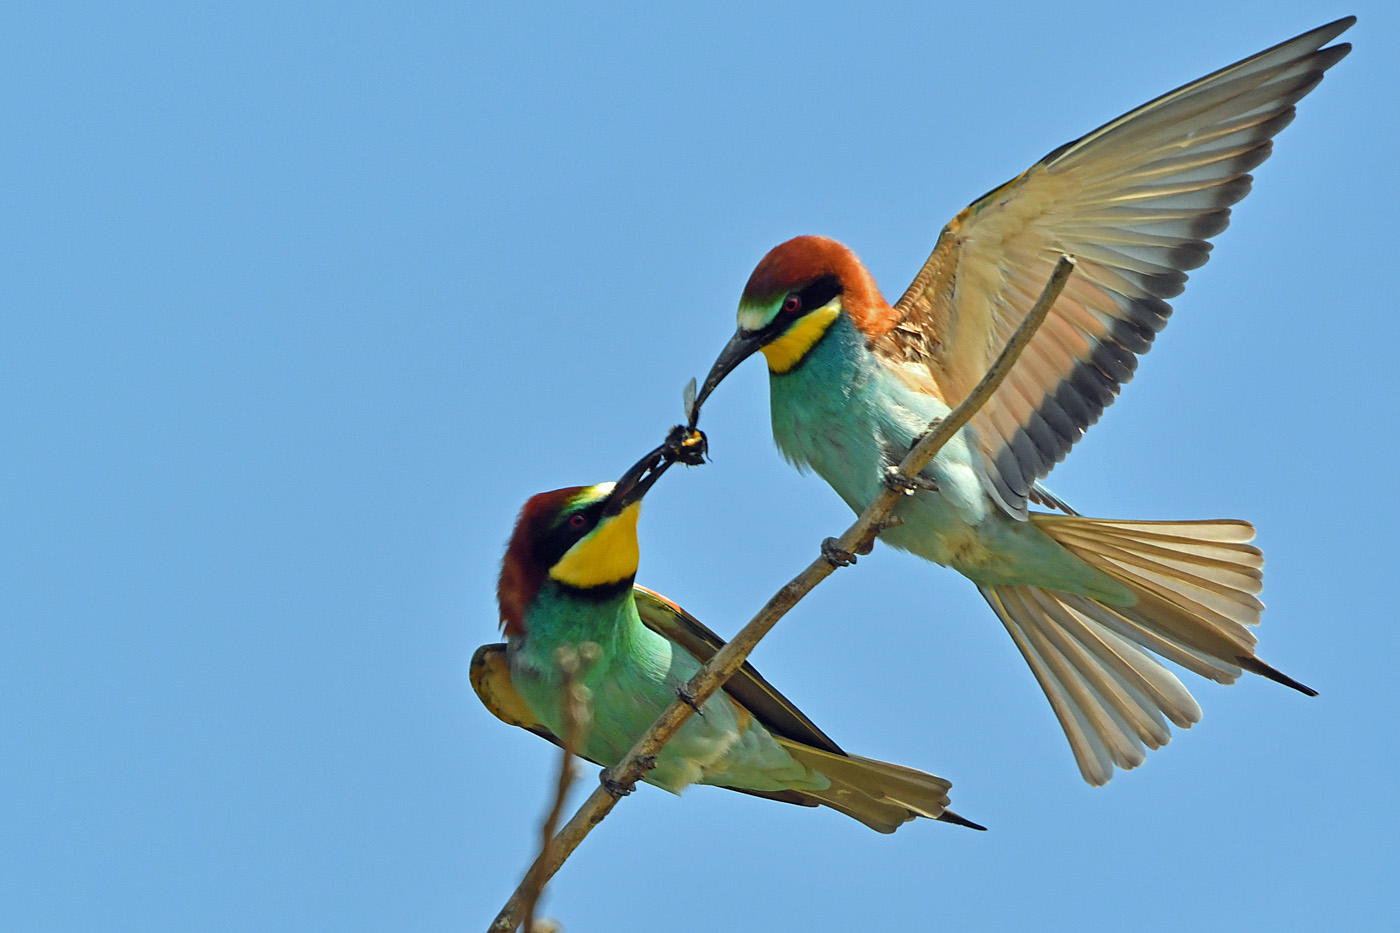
column 301, row 302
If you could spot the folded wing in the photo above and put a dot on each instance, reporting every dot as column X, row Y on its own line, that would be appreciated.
column 881, row 795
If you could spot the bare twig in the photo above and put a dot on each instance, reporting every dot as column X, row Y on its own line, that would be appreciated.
column 575, row 702
column 728, row 659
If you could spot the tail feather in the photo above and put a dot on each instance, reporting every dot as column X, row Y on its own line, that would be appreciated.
column 1179, row 601
column 881, row 795
column 1106, row 715
column 1150, row 690
column 1196, row 533
column 1194, row 585
column 1131, row 627
column 1256, row 666
column 1228, row 589
column 948, row 816
column 881, row 816
column 1192, row 595
column 1101, row 703
column 1209, row 565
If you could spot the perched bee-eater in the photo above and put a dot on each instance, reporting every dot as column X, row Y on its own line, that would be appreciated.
column 567, row 580
column 853, row 381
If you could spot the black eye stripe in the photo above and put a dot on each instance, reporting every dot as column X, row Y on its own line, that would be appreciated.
column 811, row 297
column 556, row 543
column 819, row 292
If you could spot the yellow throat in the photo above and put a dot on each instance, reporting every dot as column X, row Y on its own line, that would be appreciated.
column 608, row 554
column 784, row 352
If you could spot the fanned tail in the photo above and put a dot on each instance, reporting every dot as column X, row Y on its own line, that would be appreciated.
column 1195, row 586
column 881, row 795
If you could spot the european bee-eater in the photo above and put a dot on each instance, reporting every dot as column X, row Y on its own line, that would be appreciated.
column 854, row 380
column 567, row 579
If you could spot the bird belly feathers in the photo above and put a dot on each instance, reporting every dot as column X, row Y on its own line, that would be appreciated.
column 631, row 681
column 843, row 415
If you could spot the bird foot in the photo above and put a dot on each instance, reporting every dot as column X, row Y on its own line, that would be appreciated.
column 687, row 696
column 906, row 484
column 835, row 555
column 617, row 789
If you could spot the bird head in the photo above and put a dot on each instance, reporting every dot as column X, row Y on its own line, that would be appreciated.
column 580, row 537
column 793, row 296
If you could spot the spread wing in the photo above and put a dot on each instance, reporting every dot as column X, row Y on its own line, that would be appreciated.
column 1135, row 202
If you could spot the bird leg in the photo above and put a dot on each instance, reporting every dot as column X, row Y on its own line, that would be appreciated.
column 865, row 545
column 907, row 484
column 687, row 696
column 835, row 555
column 619, row 789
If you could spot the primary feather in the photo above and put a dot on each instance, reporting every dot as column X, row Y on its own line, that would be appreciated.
column 1091, row 604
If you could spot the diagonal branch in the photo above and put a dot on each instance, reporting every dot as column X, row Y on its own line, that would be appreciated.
column 856, row 539
column 577, row 718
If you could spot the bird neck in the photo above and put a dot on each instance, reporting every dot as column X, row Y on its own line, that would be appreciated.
column 833, row 392
column 565, row 616
column 792, row 348
column 831, row 350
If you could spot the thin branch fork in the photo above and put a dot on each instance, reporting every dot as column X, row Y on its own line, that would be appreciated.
column 857, row 539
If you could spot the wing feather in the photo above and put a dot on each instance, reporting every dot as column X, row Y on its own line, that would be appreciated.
column 490, row 677
column 1134, row 202
column 747, row 687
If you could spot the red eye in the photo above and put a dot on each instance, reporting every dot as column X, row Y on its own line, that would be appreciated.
column 791, row 304
column 576, row 521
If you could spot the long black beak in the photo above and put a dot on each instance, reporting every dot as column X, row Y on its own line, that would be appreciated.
column 739, row 348
column 640, row 477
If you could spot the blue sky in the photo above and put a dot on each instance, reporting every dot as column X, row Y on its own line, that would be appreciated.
column 301, row 303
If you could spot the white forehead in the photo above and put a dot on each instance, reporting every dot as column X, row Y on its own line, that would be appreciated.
column 753, row 317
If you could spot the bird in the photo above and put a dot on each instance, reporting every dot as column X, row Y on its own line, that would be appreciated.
column 1091, row 604
column 567, row 579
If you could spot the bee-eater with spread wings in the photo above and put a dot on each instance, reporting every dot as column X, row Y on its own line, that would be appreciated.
column 853, row 381
column 567, row 578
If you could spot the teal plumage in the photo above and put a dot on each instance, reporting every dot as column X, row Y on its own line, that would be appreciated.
column 854, row 381
column 567, row 582
column 845, row 415
column 631, row 681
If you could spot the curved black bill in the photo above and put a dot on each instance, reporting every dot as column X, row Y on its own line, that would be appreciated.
column 739, row 348
column 639, row 478
column 684, row 445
